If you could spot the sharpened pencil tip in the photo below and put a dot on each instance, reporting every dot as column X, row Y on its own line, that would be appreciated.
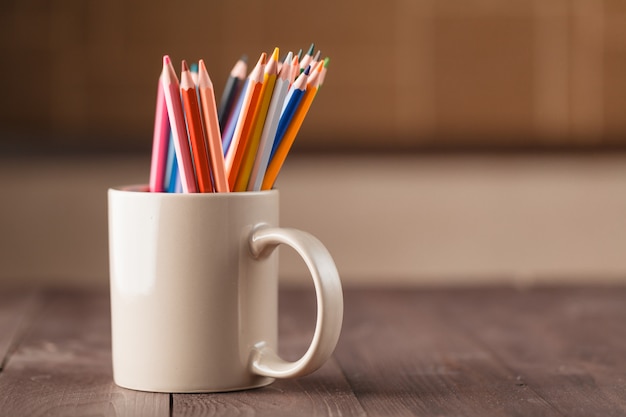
column 166, row 60
column 263, row 59
column 184, row 66
column 307, row 71
column 311, row 49
column 275, row 55
column 299, row 54
column 244, row 58
column 326, row 61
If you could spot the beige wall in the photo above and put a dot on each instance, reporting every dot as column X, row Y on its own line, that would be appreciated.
column 447, row 220
column 403, row 73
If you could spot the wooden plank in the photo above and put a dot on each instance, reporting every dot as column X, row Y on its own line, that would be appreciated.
column 16, row 309
column 403, row 356
column 471, row 352
column 325, row 392
column 567, row 345
column 62, row 367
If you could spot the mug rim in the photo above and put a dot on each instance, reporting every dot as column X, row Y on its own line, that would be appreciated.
column 145, row 189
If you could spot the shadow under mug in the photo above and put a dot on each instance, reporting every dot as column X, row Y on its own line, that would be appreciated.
column 194, row 291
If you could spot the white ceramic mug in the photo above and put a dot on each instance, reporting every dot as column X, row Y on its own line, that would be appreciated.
column 194, row 291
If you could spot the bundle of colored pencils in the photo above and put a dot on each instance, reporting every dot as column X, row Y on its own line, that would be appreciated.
column 241, row 144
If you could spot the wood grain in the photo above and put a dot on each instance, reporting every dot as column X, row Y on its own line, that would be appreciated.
column 62, row 366
column 403, row 356
column 567, row 346
column 16, row 309
column 428, row 352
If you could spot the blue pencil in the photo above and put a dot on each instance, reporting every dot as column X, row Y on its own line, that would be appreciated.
column 291, row 105
column 171, row 171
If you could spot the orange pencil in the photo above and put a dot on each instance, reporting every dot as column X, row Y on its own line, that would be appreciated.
column 212, row 129
column 252, row 147
column 244, row 123
column 279, row 157
column 194, row 125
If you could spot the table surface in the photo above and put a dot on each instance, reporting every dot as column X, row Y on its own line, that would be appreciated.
column 403, row 352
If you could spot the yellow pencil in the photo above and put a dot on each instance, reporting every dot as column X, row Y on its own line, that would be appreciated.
column 290, row 135
column 252, row 147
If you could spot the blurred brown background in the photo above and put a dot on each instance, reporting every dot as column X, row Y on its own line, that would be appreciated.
column 403, row 74
column 483, row 138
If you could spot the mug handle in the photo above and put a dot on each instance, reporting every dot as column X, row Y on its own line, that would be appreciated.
column 264, row 359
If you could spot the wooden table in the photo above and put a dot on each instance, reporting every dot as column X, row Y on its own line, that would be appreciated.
column 437, row 352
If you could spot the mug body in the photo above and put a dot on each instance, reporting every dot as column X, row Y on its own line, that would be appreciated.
column 189, row 302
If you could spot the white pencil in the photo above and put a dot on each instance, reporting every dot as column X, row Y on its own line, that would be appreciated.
column 271, row 124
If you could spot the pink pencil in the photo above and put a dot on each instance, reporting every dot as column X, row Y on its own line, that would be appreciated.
column 160, row 142
column 171, row 89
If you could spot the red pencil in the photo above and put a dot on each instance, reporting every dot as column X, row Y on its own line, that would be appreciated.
column 194, row 125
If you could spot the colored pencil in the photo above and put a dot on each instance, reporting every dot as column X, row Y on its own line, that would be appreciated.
column 244, row 121
column 212, row 130
column 232, row 89
column 229, row 130
column 196, row 133
column 324, row 70
column 295, row 68
column 306, row 59
column 316, row 58
column 193, row 68
column 290, row 105
column 171, row 89
column 271, row 124
column 171, row 174
column 252, row 147
column 160, row 142
column 280, row 155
